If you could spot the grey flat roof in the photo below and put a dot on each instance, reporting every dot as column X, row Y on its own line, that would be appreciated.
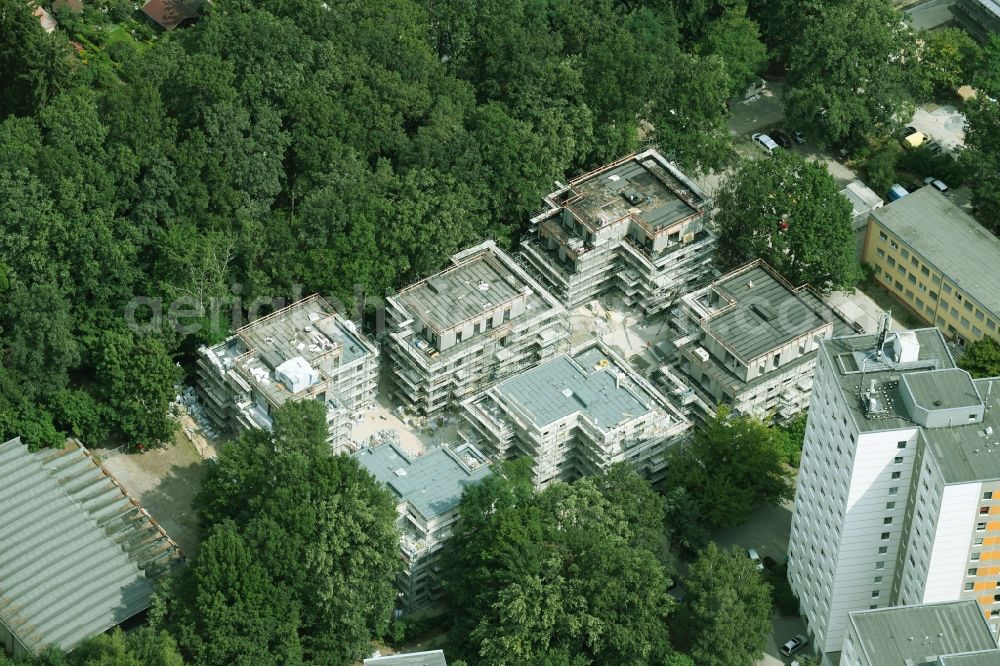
column 853, row 356
column 433, row 482
column 602, row 196
column 943, row 389
column 965, row 453
column 981, row 658
column 766, row 315
column 77, row 556
column 309, row 328
column 893, row 635
column 862, row 198
column 585, row 383
column 949, row 239
column 282, row 335
column 430, row 658
column 454, row 295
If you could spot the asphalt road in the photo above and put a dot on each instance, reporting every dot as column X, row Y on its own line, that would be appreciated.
column 768, row 531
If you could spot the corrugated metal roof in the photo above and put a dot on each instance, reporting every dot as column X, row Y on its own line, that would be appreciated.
column 430, row 658
column 77, row 554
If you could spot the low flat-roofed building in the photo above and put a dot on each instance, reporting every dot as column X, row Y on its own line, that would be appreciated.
column 304, row 351
column 942, row 633
column 939, row 262
column 636, row 226
column 576, row 415
column 749, row 341
column 428, row 489
column 429, row 658
column 481, row 319
column 78, row 555
column 863, row 202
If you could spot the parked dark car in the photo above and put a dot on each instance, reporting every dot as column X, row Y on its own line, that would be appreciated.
column 781, row 139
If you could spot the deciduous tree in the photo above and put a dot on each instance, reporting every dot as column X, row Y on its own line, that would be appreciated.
column 562, row 576
column 949, row 57
column 732, row 466
column 736, row 39
column 982, row 158
column 851, row 71
column 789, row 212
column 982, row 358
column 323, row 542
column 726, row 614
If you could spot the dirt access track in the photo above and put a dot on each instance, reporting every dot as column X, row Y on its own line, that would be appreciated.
column 165, row 481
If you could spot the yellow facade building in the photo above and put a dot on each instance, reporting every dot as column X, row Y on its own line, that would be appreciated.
column 939, row 262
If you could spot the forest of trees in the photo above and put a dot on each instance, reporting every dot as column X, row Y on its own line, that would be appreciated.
column 278, row 147
column 284, row 147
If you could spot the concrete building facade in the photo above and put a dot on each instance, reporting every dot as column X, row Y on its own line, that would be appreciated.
column 981, row 18
column 636, row 226
column 939, row 262
column 576, row 415
column 894, row 501
column 863, row 201
column 428, row 489
column 478, row 321
column 942, row 634
column 749, row 341
column 304, row 351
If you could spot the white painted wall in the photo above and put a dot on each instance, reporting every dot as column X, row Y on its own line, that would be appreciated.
column 950, row 552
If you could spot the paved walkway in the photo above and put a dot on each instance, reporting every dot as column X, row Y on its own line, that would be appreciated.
column 768, row 531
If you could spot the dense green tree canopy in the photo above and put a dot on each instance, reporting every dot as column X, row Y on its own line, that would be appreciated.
column 981, row 157
column 732, row 466
column 949, row 58
column 300, row 554
column 292, row 146
column 986, row 74
column 564, row 576
column 789, row 212
column 982, row 358
column 726, row 614
column 736, row 39
column 852, row 68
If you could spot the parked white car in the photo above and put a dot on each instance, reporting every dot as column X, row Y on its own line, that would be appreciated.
column 755, row 558
column 766, row 143
column 794, row 644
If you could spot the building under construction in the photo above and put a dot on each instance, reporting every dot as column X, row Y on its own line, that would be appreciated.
column 576, row 415
column 305, row 351
column 427, row 489
column 749, row 341
column 476, row 322
column 636, row 226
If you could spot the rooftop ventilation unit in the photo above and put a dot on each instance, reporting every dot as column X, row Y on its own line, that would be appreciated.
column 632, row 196
column 763, row 311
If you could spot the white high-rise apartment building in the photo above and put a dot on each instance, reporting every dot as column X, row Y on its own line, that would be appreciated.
column 898, row 496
